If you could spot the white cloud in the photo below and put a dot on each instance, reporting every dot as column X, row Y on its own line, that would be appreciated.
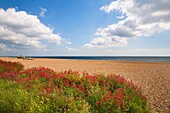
column 43, row 11
column 121, row 17
column 140, row 18
column 3, row 48
column 72, row 49
column 105, row 42
column 24, row 30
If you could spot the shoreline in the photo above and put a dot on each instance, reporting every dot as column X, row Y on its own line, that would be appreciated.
column 122, row 61
column 154, row 77
column 101, row 58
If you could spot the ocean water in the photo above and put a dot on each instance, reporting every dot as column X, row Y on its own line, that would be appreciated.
column 127, row 58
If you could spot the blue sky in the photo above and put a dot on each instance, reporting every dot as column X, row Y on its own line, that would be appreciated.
column 85, row 27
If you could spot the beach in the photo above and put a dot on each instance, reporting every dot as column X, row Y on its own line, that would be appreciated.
column 153, row 77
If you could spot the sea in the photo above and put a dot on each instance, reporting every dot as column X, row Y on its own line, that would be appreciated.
column 123, row 58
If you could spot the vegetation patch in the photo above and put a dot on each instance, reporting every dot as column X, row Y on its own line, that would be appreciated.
column 42, row 90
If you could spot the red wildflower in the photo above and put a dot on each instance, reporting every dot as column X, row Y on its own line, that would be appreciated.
column 119, row 95
column 100, row 103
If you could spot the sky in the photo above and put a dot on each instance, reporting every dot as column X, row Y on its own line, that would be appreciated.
column 85, row 27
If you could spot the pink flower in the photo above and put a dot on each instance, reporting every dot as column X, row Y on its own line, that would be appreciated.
column 119, row 95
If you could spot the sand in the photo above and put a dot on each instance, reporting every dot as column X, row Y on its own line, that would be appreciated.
column 153, row 77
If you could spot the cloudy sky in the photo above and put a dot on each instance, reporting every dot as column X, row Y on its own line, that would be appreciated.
column 85, row 27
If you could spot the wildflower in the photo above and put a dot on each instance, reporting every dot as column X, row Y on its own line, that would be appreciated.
column 65, row 109
column 119, row 95
column 102, row 87
column 100, row 103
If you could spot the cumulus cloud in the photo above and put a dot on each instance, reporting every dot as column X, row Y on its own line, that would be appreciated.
column 43, row 11
column 140, row 18
column 106, row 41
column 24, row 30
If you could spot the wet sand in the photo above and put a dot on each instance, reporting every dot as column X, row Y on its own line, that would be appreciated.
column 153, row 77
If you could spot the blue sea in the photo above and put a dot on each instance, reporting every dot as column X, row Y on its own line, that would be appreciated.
column 126, row 58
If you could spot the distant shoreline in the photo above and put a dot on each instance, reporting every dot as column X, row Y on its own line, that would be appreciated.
column 112, row 58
